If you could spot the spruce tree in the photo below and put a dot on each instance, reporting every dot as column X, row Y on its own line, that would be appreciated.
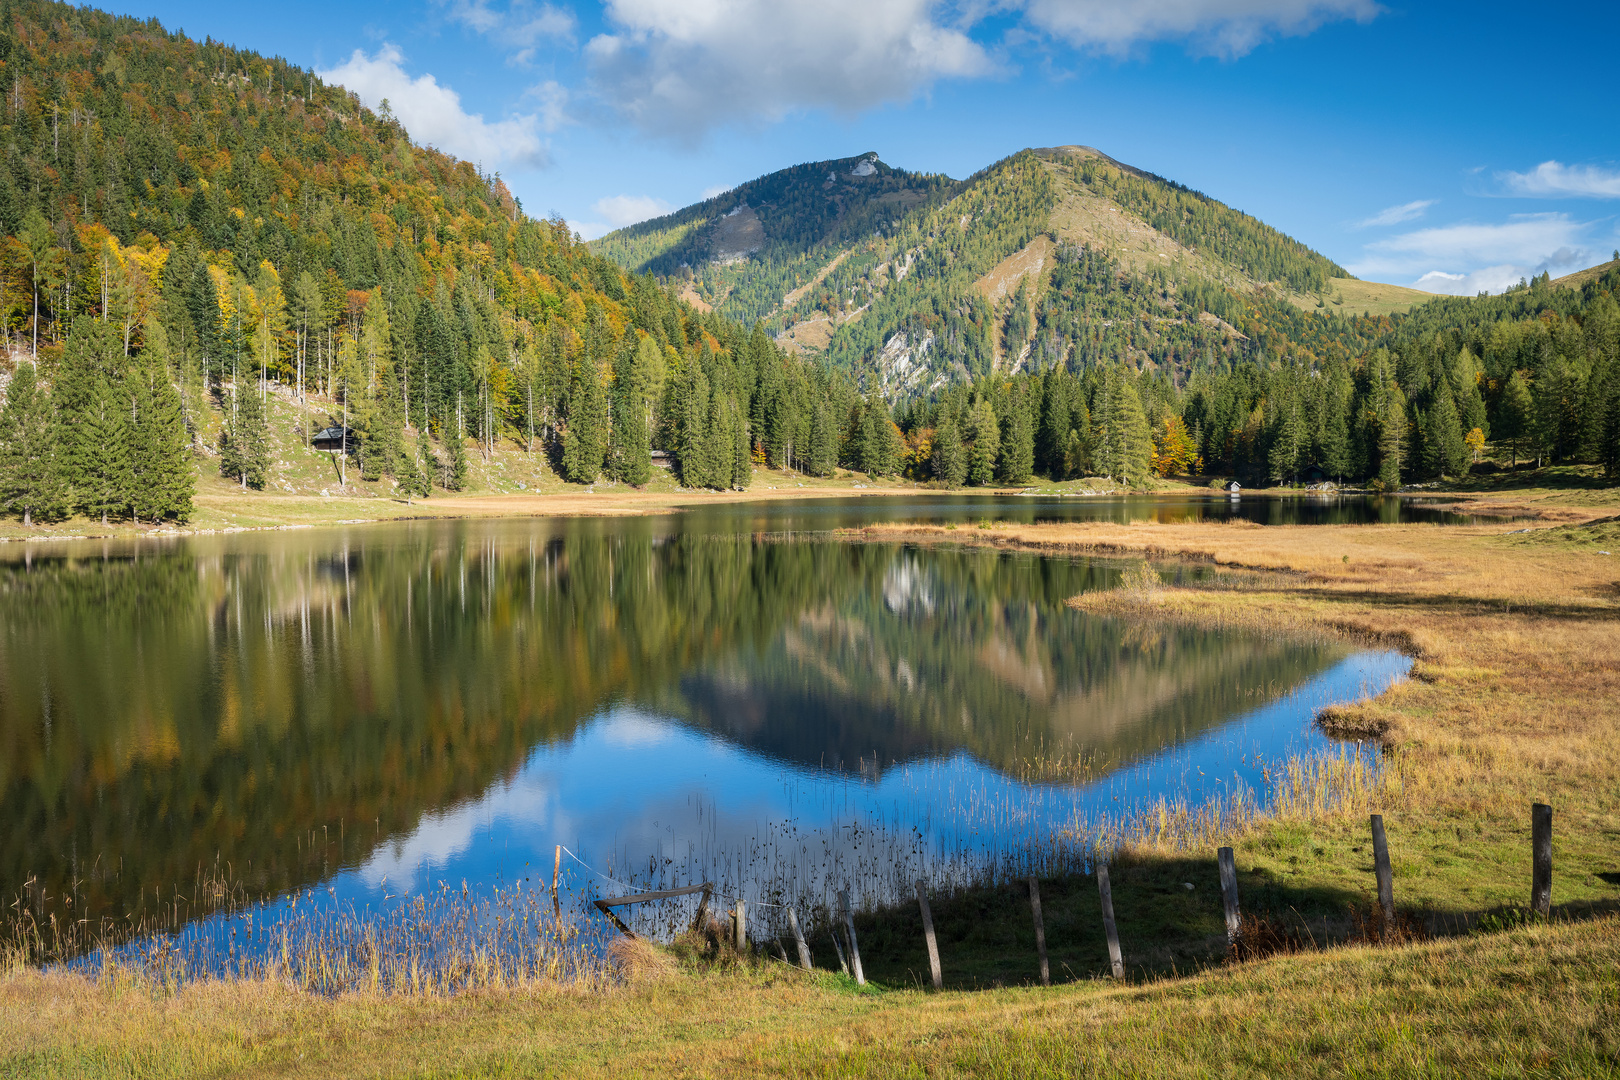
column 30, row 477
column 78, row 396
column 164, row 480
column 1445, row 452
column 1289, row 442
column 984, row 435
column 1515, row 412
column 453, row 468
column 245, row 443
column 1055, row 424
column 823, row 441
column 585, row 438
column 950, row 462
column 1017, row 439
column 107, row 483
column 692, row 436
column 742, row 459
column 716, row 450
column 630, row 445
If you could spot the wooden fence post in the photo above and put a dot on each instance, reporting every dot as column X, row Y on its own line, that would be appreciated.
column 703, row 907
column 556, row 871
column 843, row 964
column 739, row 927
column 1040, row 929
column 1108, row 921
column 1541, row 854
column 798, row 936
column 1386, row 877
column 854, row 949
column 1229, row 896
column 928, row 935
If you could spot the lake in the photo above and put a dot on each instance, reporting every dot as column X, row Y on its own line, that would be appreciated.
column 731, row 694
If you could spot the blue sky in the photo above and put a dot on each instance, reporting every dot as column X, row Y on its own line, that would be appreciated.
column 1454, row 146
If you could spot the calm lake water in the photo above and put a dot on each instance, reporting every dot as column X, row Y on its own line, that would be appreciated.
column 730, row 694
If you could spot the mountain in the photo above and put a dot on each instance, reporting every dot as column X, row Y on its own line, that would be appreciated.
column 1058, row 254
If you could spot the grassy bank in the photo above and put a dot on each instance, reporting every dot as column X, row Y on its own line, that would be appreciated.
column 1532, row 1002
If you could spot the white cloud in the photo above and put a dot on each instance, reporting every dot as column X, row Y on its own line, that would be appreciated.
column 617, row 211
column 716, row 189
column 1551, row 179
column 1226, row 28
column 433, row 114
column 1395, row 215
column 521, row 27
column 678, row 67
column 622, row 210
column 1468, row 257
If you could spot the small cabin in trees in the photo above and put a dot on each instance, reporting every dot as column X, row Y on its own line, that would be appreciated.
column 331, row 439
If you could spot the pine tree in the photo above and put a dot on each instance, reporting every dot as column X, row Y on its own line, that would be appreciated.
column 984, row 437
column 950, row 462
column 30, row 478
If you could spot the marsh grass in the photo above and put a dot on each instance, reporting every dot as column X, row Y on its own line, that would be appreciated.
column 441, row 941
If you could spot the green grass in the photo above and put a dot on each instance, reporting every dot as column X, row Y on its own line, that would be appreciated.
column 1531, row 1001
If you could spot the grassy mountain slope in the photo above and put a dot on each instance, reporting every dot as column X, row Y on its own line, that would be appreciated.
column 965, row 278
column 748, row 247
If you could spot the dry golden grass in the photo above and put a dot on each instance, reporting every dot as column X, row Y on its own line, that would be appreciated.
column 1533, row 1002
column 1516, row 690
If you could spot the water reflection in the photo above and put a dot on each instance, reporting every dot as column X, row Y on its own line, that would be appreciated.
column 293, row 706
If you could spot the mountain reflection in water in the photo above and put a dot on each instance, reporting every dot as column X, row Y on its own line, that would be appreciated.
column 294, row 705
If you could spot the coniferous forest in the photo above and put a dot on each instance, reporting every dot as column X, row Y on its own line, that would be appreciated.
column 191, row 230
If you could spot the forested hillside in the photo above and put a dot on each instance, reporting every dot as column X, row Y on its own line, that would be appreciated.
column 191, row 227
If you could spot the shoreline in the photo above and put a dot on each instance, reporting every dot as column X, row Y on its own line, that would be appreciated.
column 272, row 512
